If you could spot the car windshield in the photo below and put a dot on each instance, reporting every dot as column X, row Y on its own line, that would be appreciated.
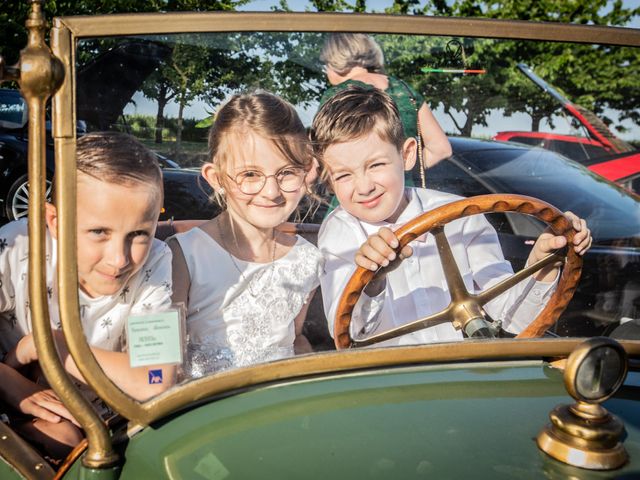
column 560, row 106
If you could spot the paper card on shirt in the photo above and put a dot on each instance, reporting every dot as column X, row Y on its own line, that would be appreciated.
column 155, row 338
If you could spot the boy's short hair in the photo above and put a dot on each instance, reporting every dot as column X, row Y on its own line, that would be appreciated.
column 353, row 113
column 118, row 158
column 344, row 51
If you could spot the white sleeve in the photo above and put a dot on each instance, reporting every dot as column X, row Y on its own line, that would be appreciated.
column 519, row 305
column 154, row 290
column 339, row 244
column 9, row 258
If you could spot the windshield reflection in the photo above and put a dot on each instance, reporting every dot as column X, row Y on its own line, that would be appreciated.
column 166, row 89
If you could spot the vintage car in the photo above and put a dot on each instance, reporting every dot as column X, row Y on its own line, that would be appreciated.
column 549, row 403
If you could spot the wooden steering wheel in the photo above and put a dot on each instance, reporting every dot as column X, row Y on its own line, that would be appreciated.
column 466, row 307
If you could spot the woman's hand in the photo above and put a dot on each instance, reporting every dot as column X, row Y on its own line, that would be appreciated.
column 30, row 398
column 23, row 353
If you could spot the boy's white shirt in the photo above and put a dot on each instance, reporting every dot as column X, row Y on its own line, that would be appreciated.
column 418, row 288
column 103, row 318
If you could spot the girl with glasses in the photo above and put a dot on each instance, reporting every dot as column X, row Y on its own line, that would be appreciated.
column 246, row 284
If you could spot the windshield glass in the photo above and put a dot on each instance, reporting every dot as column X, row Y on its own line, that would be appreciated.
column 612, row 212
column 556, row 121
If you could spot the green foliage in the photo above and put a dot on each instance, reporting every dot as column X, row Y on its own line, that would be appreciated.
column 588, row 75
column 144, row 126
column 13, row 14
column 210, row 67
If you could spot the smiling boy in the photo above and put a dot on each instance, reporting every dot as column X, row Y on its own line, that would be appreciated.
column 122, row 271
column 358, row 140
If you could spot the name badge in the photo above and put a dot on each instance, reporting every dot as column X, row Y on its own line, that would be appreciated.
column 155, row 338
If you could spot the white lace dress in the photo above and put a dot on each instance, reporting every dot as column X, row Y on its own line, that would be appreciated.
column 236, row 319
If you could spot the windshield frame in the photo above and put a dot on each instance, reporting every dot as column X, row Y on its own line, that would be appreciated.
column 65, row 34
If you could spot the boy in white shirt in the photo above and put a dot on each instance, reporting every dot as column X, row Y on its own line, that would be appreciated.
column 358, row 140
column 122, row 271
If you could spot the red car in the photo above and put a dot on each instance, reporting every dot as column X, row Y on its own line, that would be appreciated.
column 575, row 147
column 601, row 151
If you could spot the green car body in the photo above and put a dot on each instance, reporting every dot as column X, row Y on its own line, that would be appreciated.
column 456, row 420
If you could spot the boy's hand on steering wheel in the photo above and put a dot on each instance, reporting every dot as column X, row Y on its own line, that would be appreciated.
column 548, row 243
column 379, row 251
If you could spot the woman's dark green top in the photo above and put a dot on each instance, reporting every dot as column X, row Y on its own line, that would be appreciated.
column 401, row 93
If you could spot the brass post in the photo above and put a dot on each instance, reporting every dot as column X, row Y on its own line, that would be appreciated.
column 40, row 75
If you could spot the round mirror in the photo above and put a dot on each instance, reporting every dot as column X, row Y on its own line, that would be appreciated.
column 596, row 370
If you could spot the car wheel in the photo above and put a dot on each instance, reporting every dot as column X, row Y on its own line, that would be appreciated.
column 17, row 202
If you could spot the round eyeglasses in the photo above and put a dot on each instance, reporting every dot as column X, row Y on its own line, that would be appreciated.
column 250, row 182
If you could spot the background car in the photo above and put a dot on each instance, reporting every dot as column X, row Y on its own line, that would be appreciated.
column 599, row 148
column 187, row 195
column 574, row 147
column 622, row 168
column 14, row 189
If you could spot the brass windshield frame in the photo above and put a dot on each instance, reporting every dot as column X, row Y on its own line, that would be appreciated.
column 193, row 22
column 65, row 34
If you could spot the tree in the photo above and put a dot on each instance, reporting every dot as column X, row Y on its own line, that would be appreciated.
column 588, row 74
column 13, row 14
column 158, row 88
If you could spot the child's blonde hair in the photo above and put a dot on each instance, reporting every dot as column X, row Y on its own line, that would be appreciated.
column 118, row 158
column 344, row 51
column 265, row 115
column 351, row 114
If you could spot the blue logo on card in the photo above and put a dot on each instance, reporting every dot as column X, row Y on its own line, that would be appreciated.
column 155, row 376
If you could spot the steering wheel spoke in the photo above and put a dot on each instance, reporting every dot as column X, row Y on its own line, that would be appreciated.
column 498, row 289
column 457, row 288
column 426, row 322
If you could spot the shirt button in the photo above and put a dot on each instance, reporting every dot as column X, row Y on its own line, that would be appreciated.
column 536, row 292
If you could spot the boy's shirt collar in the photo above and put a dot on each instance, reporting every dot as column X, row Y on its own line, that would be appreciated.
column 413, row 209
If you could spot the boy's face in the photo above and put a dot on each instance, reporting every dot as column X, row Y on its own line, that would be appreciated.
column 367, row 176
column 116, row 225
